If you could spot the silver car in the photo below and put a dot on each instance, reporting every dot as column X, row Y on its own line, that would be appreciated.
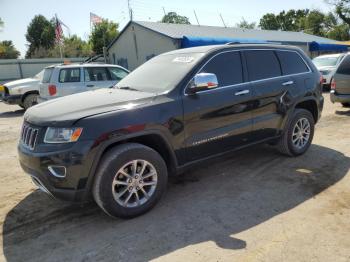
column 327, row 65
column 63, row 80
column 340, row 87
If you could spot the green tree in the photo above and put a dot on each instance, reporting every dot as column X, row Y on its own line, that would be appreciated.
column 314, row 23
column 269, row 22
column 342, row 9
column 72, row 46
column 246, row 25
column 102, row 34
column 8, row 51
column 339, row 32
column 1, row 23
column 40, row 35
column 174, row 18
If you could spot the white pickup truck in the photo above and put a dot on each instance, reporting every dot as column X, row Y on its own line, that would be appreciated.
column 23, row 92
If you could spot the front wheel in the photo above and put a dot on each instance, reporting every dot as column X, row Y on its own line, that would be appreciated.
column 345, row 104
column 130, row 180
column 30, row 100
column 298, row 134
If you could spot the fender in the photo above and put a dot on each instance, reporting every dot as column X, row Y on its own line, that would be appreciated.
column 101, row 148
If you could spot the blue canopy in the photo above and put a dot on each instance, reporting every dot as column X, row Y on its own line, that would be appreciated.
column 192, row 41
column 315, row 46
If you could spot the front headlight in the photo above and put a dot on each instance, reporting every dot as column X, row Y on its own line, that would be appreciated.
column 62, row 135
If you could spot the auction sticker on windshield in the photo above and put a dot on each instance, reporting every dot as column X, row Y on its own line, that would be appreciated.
column 183, row 59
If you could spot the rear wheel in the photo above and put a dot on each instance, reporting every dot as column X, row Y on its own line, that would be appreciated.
column 130, row 180
column 298, row 135
column 346, row 104
column 30, row 100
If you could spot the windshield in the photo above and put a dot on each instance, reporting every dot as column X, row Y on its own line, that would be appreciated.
column 39, row 76
column 161, row 73
column 326, row 61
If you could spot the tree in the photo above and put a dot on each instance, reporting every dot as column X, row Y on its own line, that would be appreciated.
column 174, row 18
column 8, row 51
column 72, row 46
column 285, row 21
column 40, row 34
column 339, row 32
column 314, row 23
column 102, row 34
column 1, row 23
column 269, row 22
column 342, row 9
column 246, row 25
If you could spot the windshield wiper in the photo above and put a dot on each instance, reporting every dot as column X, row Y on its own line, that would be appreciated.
column 127, row 88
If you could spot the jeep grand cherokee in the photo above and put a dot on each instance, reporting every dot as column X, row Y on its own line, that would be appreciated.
column 119, row 145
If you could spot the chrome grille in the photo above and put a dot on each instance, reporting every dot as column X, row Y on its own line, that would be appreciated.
column 29, row 136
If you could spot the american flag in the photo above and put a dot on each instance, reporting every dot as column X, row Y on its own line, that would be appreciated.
column 58, row 30
column 95, row 19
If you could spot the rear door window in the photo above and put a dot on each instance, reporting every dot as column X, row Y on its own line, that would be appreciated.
column 227, row 67
column 262, row 64
column 96, row 74
column 292, row 63
column 69, row 75
column 344, row 67
column 117, row 73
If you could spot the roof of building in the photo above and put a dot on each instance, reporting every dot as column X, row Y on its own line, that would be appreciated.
column 178, row 31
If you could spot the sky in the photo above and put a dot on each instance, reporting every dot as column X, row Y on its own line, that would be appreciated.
column 17, row 14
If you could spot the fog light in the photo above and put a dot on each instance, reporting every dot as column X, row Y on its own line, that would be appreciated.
column 57, row 171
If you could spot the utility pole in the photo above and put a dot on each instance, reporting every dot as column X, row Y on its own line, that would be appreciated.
column 130, row 11
column 222, row 20
column 194, row 11
column 164, row 11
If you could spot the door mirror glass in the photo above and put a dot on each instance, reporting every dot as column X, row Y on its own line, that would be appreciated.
column 203, row 81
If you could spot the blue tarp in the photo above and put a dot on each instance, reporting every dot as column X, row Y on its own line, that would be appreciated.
column 192, row 41
column 315, row 46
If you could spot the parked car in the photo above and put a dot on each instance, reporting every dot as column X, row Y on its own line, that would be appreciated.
column 23, row 92
column 327, row 65
column 340, row 87
column 119, row 145
column 63, row 80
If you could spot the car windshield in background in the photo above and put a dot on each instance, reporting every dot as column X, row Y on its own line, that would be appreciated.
column 326, row 61
column 161, row 73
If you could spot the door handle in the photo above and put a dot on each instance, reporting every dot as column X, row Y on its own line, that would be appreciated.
column 243, row 92
column 288, row 83
column 89, row 85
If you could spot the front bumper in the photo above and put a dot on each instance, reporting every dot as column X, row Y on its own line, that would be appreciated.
column 337, row 98
column 12, row 99
column 77, row 161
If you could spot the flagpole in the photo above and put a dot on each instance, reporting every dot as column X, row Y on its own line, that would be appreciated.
column 59, row 40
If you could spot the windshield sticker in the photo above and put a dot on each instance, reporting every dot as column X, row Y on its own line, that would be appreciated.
column 183, row 59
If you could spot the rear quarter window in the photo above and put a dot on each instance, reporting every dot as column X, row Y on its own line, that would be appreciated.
column 292, row 63
column 262, row 64
column 344, row 67
column 47, row 75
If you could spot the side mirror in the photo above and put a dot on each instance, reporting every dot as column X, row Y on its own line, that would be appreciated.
column 203, row 81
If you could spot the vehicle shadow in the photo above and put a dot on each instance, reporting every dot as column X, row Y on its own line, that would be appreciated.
column 212, row 202
column 343, row 113
column 10, row 114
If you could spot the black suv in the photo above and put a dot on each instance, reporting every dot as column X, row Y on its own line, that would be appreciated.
column 119, row 145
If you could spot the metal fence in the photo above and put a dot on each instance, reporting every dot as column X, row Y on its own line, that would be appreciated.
column 11, row 69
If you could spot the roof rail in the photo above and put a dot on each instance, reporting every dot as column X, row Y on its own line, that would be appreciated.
column 253, row 43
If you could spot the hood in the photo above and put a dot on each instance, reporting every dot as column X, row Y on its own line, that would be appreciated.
column 21, row 82
column 326, row 68
column 65, row 111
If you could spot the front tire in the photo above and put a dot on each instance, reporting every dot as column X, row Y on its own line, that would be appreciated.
column 30, row 100
column 130, row 180
column 345, row 104
column 298, row 134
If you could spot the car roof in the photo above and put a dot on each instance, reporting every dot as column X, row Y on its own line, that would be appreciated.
column 84, row 65
column 332, row 55
column 212, row 48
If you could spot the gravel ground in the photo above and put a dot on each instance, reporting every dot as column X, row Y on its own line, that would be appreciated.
column 253, row 206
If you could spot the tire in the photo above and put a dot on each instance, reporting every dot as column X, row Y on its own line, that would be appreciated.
column 121, row 158
column 30, row 100
column 286, row 145
column 346, row 104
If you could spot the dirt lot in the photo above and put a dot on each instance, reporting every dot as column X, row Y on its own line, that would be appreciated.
column 255, row 206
